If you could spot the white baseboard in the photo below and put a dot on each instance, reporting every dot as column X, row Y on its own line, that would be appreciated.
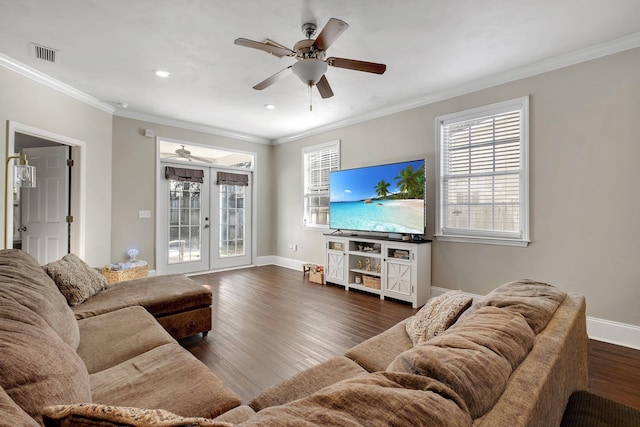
column 597, row 329
column 613, row 332
column 293, row 264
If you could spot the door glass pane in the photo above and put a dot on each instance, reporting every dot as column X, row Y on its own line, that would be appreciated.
column 231, row 220
column 185, row 220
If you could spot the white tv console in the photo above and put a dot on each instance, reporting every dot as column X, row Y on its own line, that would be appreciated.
column 382, row 266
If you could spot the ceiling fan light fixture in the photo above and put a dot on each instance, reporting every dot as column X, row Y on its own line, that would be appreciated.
column 310, row 70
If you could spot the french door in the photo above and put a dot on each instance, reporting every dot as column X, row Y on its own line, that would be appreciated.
column 203, row 225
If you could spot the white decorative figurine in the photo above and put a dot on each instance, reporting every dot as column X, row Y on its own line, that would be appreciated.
column 132, row 254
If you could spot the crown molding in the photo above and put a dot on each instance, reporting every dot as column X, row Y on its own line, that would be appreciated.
column 561, row 61
column 33, row 74
column 190, row 126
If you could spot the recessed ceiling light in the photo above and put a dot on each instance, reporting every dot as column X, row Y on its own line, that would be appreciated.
column 162, row 73
column 269, row 106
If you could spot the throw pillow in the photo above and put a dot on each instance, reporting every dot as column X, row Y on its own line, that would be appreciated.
column 437, row 315
column 92, row 414
column 76, row 280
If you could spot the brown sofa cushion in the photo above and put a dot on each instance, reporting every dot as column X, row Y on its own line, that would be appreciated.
column 23, row 280
column 373, row 399
column 37, row 368
column 307, row 382
column 377, row 352
column 536, row 301
column 12, row 414
column 237, row 415
column 76, row 280
column 160, row 295
column 474, row 358
column 112, row 338
column 437, row 315
column 166, row 377
column 102, row 415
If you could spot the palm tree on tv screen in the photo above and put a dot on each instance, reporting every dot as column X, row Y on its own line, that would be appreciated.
column 382, row 188
column 411, row 182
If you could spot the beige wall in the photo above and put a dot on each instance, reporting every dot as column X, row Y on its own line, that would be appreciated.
column 30, row 103
column 585, row 207
column 134, row 172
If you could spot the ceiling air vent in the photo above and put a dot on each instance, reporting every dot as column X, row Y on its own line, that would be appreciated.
column 45, row 53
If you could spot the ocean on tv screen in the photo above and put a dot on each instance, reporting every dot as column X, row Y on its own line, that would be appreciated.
column 389, row 216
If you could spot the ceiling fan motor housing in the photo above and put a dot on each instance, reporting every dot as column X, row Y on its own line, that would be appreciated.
column 304, row 49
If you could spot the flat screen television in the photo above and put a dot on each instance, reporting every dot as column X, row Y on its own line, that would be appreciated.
column 388, row 198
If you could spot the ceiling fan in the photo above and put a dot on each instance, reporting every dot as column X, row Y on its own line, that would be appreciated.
column 183, row 153
column 311, row 55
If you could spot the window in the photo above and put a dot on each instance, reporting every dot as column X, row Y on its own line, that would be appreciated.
column 483, row 193
column 318, row 161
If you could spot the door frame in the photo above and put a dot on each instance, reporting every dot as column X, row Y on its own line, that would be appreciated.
column 78, row 182
column 254, row 192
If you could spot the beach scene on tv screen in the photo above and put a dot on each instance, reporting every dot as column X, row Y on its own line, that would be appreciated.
column 385, row 198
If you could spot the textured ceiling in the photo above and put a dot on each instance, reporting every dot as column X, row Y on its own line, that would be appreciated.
column 109, row 50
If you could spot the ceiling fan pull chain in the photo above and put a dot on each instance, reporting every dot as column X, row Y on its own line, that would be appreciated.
column 310, row 104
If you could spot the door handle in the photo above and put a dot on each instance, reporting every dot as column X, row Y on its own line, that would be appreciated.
column 23, row 228
column 207, row 226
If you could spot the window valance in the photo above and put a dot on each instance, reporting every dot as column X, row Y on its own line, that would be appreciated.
column 183, row 174
column 228, row 178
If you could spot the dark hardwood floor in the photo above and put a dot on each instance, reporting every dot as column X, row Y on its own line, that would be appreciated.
column 270, row 323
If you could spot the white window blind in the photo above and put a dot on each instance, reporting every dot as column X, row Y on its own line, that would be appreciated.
column 483, row 179
column 318, row 162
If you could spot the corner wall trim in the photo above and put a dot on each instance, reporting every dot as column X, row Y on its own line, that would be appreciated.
column 35, row 75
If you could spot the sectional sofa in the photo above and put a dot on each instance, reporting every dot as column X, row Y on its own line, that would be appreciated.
column 512, row 358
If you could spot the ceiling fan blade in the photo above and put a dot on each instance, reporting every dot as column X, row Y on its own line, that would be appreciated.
column 276, row 44
column 269, row 48
column 330, row 33
column 271, row 80
column 352, row 64
column 200, row 159
column 324, row 88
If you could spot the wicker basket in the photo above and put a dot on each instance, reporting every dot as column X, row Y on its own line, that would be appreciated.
column 371, row 282
column 114, row 276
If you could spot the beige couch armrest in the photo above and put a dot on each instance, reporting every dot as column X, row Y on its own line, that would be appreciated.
column 539, row 388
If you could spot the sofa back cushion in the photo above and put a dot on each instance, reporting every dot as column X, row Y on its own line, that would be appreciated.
column 37, row 368
column 536, row 301
column 23, row 280
column 474, row 358
column 12, row 414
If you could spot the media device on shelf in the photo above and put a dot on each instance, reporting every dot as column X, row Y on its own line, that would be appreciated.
column 387, row 198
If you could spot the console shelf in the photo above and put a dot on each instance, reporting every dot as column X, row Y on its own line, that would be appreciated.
column 380, row 266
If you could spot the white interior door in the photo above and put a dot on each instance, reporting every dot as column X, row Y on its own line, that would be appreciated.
column 183, row 224
column 44, row 209
column 231, row 221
